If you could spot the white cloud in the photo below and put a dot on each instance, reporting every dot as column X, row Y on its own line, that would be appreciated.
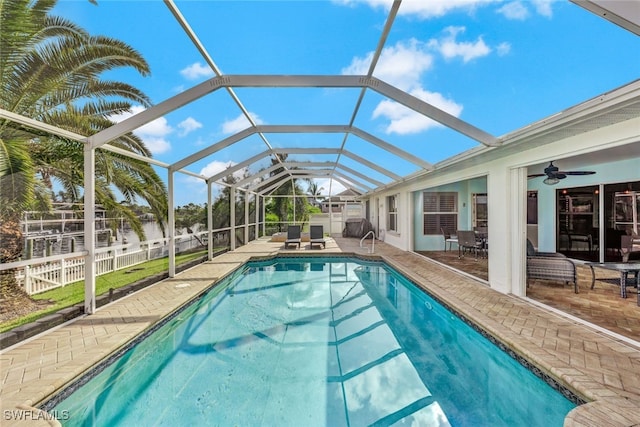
column 514, row 10
column 385, row 4
column 503, row 49
column 404, row 64
column 157, row 145
column 200, row 141
column 216, row 167
column 153, row 133
column 543, row 7
column 449, row 47
column 336, row 187
column 423, row 9
column 188, row 125
column 518, row 11
column 426, row 9
column 195, row 71
column 401, row 65
column 403, row 120
column 240, row 123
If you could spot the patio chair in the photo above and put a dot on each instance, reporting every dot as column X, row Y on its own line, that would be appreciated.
column 316, row 236
column 448, row 238
column 550, row 266
column 629, row 245
column 467, row 241
column 293, row 236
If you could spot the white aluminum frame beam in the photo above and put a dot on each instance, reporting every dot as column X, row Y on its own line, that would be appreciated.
column 213, row 148
column 238, row 166
column 346, row 129
column 196, row 41
column 280, row 182
column 347, row 153
column 434, row 113
column 355, row 183
column 372, row 165
column 270, row 169
column 325, row 174
column 298, row 172
column 360, row 175
column 291, row 81
column 625, row 14
column 303, row 129
column 391, row 148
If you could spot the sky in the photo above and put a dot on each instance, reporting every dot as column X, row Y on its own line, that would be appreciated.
column 498, row 65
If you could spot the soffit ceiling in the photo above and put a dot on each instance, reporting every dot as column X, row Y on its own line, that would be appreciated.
column 342, row 148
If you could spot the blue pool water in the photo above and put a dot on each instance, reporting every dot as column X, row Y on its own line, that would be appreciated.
column 314, row 342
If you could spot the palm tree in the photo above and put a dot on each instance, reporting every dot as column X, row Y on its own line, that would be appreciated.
column 284, row 207
column 314, row 190
column 50, row 71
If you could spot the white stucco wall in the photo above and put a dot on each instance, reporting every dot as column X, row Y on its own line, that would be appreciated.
column 506, row 187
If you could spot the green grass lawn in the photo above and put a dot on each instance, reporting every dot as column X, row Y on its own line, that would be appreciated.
column 74, row 293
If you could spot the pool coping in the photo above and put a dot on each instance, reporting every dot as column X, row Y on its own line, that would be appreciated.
column 609, row 403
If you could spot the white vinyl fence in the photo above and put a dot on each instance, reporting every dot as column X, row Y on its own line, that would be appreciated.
column 44, row 274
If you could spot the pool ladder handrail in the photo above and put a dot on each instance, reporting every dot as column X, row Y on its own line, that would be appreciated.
column 373, row 241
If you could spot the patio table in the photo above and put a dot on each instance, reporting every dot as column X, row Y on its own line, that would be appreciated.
column 624, row 269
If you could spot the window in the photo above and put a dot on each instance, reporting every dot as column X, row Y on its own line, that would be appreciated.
column 392, row 213
column 440, row 210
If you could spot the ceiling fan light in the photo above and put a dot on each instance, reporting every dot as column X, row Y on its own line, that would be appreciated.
column 552, row 180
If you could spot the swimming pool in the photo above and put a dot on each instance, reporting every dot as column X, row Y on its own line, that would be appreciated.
column 313, row 341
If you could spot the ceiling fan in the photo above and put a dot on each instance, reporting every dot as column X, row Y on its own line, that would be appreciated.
column 554, row 175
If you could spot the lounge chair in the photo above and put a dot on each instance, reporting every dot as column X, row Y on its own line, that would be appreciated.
column 316, row 236
column 550, row 266
column 293, row 236
column 448, row 238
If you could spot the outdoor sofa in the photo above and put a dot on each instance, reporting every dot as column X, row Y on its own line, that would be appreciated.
column 550, row 266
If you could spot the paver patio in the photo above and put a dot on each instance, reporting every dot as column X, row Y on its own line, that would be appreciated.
column 599, row 368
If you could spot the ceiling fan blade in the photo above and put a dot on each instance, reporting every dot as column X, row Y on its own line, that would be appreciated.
column 535, row 175
column 560, row 175
column 578, row 172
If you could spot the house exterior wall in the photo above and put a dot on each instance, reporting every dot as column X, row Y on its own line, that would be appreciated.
column 465, row 190
column 506, row 185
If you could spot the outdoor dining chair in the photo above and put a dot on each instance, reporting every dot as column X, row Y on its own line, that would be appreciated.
column 448, row 238
column 467, row 241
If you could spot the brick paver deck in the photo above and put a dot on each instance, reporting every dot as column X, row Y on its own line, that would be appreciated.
column 603, row 370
